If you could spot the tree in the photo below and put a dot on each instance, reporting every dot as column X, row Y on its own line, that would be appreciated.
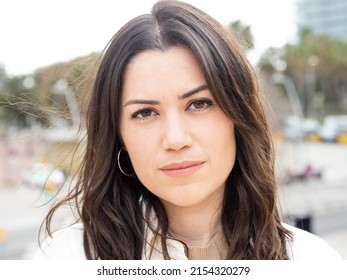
column 3, row 78
column 19, row 105
column 24, row 99
column 318, row 66
column 243, row 33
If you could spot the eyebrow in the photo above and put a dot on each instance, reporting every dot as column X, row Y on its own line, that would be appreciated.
column 180, row 97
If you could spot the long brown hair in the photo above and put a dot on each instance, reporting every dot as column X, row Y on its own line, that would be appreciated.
column 111, row 205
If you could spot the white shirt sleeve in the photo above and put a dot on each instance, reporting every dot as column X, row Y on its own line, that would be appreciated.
column 65, row 244
column 307, row 246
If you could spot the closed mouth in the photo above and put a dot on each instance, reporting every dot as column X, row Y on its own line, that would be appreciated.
column 182, row 169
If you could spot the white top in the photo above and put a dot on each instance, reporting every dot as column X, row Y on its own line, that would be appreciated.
column 67, row 244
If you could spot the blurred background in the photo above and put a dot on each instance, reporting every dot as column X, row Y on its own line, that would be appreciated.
column 48, row 53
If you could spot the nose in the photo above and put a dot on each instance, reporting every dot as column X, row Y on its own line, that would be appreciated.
column 177, row 134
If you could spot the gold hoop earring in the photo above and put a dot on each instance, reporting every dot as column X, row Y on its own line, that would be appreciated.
column 119, row 165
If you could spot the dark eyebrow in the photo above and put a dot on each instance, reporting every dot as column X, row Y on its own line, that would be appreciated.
column 154, row 102
column 192, row 92
column 141, row 101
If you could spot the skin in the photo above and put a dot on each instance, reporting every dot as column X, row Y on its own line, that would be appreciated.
column 181, row 144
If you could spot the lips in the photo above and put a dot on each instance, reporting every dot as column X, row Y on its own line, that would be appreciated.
column 182, row 169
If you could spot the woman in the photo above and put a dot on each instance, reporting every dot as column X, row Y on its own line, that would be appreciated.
column 179, row 161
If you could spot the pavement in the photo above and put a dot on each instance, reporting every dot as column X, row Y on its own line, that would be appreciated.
column 22, row 208
column 324, row 199
column 324, row 205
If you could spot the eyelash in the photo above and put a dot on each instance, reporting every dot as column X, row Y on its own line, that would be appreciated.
column 136, row 115
column 207, row 103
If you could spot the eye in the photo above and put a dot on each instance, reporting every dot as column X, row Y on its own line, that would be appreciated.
column 143, row 114
column 200, row 104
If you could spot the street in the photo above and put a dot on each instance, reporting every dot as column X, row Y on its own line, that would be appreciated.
column 323, row 199
column 22, row 211
column 20, row 217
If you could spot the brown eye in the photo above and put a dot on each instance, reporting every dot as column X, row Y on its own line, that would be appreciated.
column 200, row 104
column 146, row 113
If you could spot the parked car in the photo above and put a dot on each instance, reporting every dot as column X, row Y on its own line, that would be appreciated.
column 334, row 127
column 296, row 128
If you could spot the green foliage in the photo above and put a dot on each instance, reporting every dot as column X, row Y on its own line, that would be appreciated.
column 330, row 51
column 28, row 99
column 20, row 104
column 243, row 33
column 318, row 66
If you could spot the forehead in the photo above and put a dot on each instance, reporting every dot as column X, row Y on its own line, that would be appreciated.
column 174, row 70
column 173, row 57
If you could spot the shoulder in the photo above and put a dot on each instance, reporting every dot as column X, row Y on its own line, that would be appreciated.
column 307, row 246
column 65, row 243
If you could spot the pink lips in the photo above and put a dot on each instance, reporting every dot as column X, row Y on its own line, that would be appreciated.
column 182, row 169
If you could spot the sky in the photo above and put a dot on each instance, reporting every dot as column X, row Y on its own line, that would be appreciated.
column 38, row 33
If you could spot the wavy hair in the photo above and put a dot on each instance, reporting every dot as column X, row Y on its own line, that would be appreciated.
column 110, row 205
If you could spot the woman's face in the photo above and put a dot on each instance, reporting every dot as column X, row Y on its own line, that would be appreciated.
column 181, row 144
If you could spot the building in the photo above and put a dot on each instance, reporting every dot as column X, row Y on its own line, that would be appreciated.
column 324, row 16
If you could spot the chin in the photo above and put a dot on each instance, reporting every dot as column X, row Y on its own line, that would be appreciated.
column 187, row 199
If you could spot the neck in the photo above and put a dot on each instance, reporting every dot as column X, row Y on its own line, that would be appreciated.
column 195, row 225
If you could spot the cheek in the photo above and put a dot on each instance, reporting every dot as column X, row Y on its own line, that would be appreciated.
column 222, row 144
column 141, row 158
column 141, row 149
column 218, row 131
column 143, row 161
